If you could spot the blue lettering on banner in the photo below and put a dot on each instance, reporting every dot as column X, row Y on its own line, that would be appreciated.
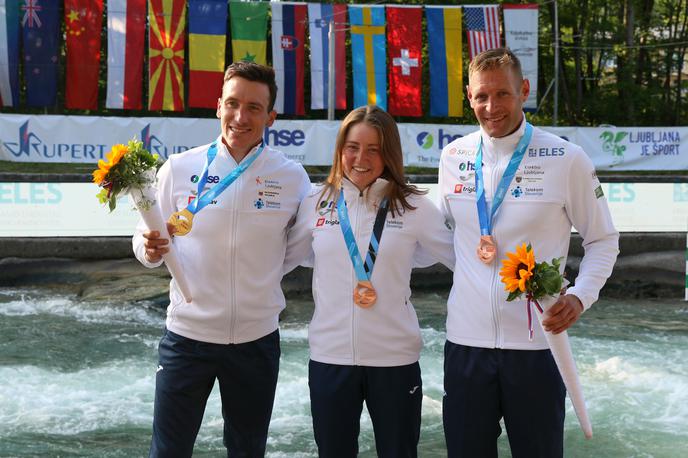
column 446, row 138
column 621, row 192
column 30, row 193
column 284, row 137
column 30, row 145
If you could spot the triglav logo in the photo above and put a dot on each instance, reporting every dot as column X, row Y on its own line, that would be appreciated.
column 31, row 145
column 611, row 143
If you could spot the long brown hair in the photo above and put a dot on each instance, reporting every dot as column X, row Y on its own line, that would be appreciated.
column 397, row 189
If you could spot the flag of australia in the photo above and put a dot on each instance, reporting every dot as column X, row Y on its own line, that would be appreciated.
column 41, row 28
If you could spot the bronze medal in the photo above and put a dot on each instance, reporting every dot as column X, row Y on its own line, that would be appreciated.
column 487, row 249
column 364, row 294
column 181, row 221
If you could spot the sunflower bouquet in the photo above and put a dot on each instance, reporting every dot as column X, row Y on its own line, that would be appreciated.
column 131, row 169
column 541, row 282
column 126, row 167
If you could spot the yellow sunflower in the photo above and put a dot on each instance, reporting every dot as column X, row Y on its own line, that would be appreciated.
column 518, row 268
column 113, row 157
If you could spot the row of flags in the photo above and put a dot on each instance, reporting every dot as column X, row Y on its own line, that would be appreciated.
column 386, row 44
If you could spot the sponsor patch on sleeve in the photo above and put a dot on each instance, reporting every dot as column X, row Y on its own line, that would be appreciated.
column 598, row 192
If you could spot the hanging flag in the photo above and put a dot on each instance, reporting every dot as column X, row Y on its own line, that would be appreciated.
column 40, row 22
column 207, row 37
column 368, row 55
column 249, row 31
column 126, row 21
column 288, row 50
column 404, row 37
column 319, row 16
column 521, row 36
column 482, row 28
column 83, row 24
column 166, row 54
column 9, row 53
column 446, row 64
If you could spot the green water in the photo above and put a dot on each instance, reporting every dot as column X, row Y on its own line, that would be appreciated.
column 77, row 379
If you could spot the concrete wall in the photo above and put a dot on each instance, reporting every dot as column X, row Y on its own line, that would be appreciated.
column 649, row 265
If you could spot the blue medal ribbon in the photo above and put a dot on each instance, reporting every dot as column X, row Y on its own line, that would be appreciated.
column 484, row 216
column 364, row 271
column 201, row 201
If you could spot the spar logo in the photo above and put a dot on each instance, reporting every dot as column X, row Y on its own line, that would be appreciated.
column 156, row 146
column 29, row 144
column 425, row 140
column 289, row 43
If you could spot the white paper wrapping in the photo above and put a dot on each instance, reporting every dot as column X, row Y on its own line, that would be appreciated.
column 561, row 350
column 145, row 201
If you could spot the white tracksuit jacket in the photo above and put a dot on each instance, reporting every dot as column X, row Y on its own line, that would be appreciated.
column 554, row 188
column 233, row 257
column 386, row 334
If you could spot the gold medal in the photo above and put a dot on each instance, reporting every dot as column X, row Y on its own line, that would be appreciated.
column 364, row 294
column 181, row 221
column 487, row 249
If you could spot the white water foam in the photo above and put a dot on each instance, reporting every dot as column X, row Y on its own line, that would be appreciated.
column 43, row 401
column 97, row 313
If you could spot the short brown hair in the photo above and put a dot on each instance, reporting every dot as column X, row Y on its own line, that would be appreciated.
column 493, row 59
column 252, row 71
column 397, row 189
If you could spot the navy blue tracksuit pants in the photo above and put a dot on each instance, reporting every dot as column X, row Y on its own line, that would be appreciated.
column 247, row 375
column 393, row 396
column 482, row 385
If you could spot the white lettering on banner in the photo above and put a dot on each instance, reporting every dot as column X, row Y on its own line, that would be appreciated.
column 71, row 209
column 52, row 138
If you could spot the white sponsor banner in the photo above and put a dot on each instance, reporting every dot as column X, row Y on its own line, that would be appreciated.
column 521, row 34
column 71, row 209
column 52, row 138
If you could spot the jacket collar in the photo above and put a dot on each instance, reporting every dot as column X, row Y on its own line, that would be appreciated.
column 375, row 189
column 494, row 148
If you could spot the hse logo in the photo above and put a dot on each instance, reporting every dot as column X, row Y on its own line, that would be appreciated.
column 325, row 207
column 209, row 179
column 156, row 146
column 284, row 137
column 424, row 140
column 467, row 166
column 30, row 144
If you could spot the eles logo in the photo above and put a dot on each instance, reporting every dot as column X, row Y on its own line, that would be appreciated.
column 210, row 179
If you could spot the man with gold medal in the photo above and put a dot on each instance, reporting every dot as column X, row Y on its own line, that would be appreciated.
column 230, row 203
column 511, row 183
column 362, row 231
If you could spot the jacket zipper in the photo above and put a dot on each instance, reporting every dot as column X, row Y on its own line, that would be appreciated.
column 232, row 275
column 354, row 306
column 494, row 295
